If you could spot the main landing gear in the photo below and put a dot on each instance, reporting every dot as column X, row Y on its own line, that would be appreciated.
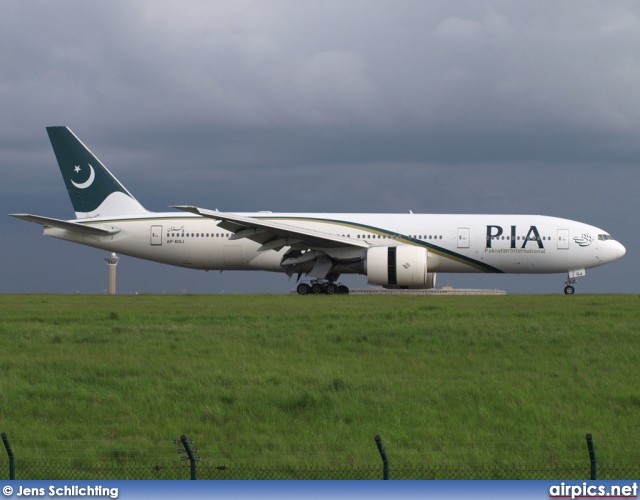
column 317, row 287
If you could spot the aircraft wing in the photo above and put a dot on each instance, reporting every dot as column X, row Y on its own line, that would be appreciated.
column 69, row 226
column 273, row 235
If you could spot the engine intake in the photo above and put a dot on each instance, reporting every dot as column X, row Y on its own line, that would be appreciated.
column 399, row 267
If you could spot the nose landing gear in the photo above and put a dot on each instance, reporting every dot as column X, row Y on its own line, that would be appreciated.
column 571, row 280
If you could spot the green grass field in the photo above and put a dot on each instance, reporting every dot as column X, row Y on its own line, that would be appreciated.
column 256, row 378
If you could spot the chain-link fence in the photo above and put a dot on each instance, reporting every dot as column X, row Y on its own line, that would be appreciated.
column 121, row 467
column 31, row 471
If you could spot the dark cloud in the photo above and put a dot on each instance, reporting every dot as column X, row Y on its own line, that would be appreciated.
column 326, row 106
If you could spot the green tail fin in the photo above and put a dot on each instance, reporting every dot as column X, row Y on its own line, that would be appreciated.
column 93, row 190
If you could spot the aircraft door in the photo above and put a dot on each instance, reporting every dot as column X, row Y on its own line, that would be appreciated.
column 463, row 237
column 156, row 235
column 563, row 239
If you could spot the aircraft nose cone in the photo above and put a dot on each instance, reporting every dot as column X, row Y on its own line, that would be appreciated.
column 611, row 251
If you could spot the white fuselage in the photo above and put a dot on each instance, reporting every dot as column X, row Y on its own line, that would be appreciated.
column 455, row 243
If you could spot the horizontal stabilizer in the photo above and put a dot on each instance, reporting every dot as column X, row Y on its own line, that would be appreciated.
column 69, row 226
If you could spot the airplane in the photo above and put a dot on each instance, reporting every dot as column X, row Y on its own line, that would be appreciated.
column 396, row 251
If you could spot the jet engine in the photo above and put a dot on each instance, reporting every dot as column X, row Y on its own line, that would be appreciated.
column 399, row 267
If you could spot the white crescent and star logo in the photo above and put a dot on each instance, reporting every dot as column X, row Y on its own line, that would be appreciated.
column 88, row 182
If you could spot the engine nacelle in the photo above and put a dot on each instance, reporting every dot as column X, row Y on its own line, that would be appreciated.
column 399, row 267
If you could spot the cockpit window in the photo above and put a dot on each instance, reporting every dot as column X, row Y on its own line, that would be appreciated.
column 604, row 237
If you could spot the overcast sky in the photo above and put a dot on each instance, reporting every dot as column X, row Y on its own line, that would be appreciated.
column 325, row 106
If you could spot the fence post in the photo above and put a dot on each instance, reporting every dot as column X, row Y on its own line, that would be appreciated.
column 190, row 453
column 592, row 457
column 385, row 459
column 12, row 464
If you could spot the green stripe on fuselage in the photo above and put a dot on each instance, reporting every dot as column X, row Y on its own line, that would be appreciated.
column 443, row 252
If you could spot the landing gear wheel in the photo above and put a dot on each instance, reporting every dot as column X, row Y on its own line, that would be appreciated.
column 343, row 290
column 317, row 288
column 304, row 289
column 330, row 289
column 569, row 290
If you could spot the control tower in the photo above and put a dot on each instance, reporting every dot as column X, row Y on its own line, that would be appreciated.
column 112, row 262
